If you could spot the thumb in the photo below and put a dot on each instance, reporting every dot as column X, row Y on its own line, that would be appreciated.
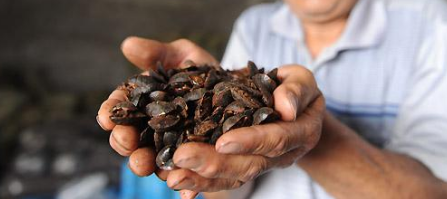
column 296, row 92
column 145, row 53
column 286, row 102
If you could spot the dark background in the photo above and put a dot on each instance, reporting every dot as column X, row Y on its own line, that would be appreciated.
column 59, row 59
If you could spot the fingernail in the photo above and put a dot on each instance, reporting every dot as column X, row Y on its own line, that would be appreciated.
column 187, row 194
column 99, row 123
column 186, row 183
column 293, row 100
column 229, row 148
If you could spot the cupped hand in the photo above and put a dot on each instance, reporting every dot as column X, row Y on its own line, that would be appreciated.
column 145, row 54
column 243, row 154
column 239, row 155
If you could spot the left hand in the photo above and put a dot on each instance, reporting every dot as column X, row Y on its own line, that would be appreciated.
column 243, row 154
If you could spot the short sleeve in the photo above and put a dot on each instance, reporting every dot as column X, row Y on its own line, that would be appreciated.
column 421, row 126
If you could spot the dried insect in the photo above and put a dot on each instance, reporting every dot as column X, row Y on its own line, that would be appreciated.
column 125, row 113
column 194, row 104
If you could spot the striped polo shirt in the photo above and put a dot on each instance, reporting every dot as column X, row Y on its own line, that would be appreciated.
column 386, row 78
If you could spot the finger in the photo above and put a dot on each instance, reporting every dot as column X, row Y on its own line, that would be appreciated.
column 142, row 161
column 103, row 117
column 187, row 194
column 145, row 53
column 162, row 174
column 186, row 179
column 182, row 50
column 297, row 90
column 124, row 139
column 120, row 95
column 275, row 139
column 205, row 161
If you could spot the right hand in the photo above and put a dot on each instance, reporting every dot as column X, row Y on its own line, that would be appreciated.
column 145, row 54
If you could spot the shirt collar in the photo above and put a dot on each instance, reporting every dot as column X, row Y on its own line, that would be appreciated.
column 366, row 25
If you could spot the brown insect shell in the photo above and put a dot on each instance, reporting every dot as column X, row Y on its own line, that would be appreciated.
column 221, row 86
column 216, row 135
column 195, row 94
column 180, row 89
column 161, row 70
column 146, row 137
column 140, row 80
column 211, row 79
column 253, row 69
column 197, row 81
column 158, row 140
column 125, row 113
column 158, row 96
column 217, row 115
column 182, row 106
column 159, row 108
column 236, row 107
column 182, row 77
column 164, row 158
column 265, row 115
column 197, row 138
column 263, row 80
column 164, row 122
column 237, row 121
column 157, row 76
column 205, row 128
column 273, row 74
column 222, row 98
column 170, row 138
column 146, row 89
column 204, row 107
column 245, row 97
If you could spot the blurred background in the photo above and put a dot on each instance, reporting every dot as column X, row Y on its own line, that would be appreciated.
column 59, row 59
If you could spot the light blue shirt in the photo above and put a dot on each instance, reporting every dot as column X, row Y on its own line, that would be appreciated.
column 386, row 78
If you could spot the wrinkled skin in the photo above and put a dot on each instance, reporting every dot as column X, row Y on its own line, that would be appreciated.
column 206, row 168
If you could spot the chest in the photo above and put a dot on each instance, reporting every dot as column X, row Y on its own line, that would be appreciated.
column 363, row 88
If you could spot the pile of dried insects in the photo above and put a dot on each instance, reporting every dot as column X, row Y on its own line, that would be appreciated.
column 194, row 104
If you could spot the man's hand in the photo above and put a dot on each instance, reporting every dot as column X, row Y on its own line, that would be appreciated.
column 242, row 154
column 144, row 54
column 280, row 144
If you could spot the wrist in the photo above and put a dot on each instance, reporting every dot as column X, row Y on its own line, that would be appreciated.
column 333, row 135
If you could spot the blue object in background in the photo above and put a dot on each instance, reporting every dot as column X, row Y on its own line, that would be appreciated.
column 134, row 187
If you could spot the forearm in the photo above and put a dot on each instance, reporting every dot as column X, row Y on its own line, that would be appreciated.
column 349, row 167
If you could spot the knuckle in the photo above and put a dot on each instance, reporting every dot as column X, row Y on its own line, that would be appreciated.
column 307, row 72
column 236, row 184
column 106, row 105
column 277, row 150
column 209, row 171
column 313, row 132
column 280, row 142
column 299, row 89
column 118, row 148
column 303, row 71
column 252, row 173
